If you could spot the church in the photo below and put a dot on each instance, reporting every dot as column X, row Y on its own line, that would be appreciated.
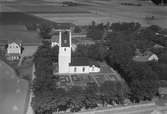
column 72, row 65
column 78, row 71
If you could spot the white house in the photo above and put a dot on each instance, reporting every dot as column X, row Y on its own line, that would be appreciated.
column 14, row 48
column 67, row 64
column 13, row 51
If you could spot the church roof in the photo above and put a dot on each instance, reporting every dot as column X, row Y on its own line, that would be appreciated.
column 82, row 61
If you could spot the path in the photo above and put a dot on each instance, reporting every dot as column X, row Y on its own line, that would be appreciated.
column 12, row 91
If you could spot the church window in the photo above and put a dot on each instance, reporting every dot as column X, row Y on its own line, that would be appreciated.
column 64, row 49
column 83, row 69
column 93, row 68
column 75, row 69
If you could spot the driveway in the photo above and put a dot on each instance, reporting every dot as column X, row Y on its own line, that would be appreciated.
column 13, row 91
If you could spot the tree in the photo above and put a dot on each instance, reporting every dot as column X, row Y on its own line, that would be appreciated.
column 45, row 84
column 160, row 69
column 120, row 51
column 31, row 27
column 49, row 101
column 142, row 81
column 143, row 89
column 54, row 53
column 77, row 29
column 81, row 51
column 128, row 27
column 158, row 2
column 154, row 28
column 112, row 91
column 163, row 57
column 96, row 32
column 45, row 30
column 75, row 98
column 90, row 96
column 95, row 52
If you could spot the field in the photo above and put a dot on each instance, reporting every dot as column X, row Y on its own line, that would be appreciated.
column 97, row 10
column 18, row 33
column 46, row 8
column 18, row 18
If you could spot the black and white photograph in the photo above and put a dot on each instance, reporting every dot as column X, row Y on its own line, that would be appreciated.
column 83, row 56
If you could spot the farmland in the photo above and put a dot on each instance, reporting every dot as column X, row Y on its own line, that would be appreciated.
column 98, row 10
column 18, row 18
column 46, row 8
column 88, row 10
column 18, row 33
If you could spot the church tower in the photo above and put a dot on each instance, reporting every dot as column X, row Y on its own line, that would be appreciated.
column 64, row 58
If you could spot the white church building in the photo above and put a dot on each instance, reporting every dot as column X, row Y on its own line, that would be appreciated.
column 73, row 65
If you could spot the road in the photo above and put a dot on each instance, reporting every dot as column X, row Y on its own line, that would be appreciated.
column 133, row 109
column 12, row 91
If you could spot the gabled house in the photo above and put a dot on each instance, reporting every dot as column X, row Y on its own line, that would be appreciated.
column 145, row 57
column 13, row 50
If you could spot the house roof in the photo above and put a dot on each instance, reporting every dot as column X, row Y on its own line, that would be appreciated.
column 18, row 33
column 158, row 46
column 143, row 57
column 82, row 61
column 79, row 61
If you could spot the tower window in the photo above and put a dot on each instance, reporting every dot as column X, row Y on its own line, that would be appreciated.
column 64, row 49
column 65, row 41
